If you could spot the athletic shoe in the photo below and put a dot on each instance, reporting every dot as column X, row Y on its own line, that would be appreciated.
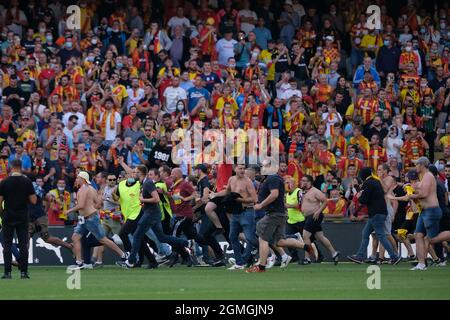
column 355, row 258
column 188, row 261
column 298, row 236
column 97, row 265
column 442, row 264
column 125, row 264
column 286, row 262
column 255, row 269
column 77, row 266
column 236, row 267
column 277, row 263
column 250, row 262
column 371, row 260
column 336, row 258
column 219, row 263
column 173, row 260
column 125, row 256
column 232, row 261
column 24, row 275
column 418, row 268
column 89, row 266
column 396, row 261
column 152, row 265
column 306, row 262
column 7, row 275
column 411, row 258
column 270, row 261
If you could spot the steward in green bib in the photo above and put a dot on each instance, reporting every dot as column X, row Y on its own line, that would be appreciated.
column 296, row 219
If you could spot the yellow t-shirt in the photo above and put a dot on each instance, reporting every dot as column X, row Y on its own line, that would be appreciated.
column 120, row 92
column 445, row 141
column 369, row 41
column 413, row 207
column 266, row 57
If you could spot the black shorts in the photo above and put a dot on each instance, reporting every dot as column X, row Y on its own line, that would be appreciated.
column 444, row 224
column 313, row 226
column 410, row 225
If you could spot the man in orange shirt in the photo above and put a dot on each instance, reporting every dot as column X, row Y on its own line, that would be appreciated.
column 366, row 106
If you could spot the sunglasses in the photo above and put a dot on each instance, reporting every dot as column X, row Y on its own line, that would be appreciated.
column 112, row 179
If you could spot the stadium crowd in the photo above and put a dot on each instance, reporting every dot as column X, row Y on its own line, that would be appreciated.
column 105, row 99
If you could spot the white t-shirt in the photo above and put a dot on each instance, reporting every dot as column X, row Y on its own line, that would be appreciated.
column 134, row 98
column 81, row 120
column 225, row 49
column 330, row 122
column 39, row 110
column 111, row 134
column 282, row 89
column 290, row 93
column 247, row 27
column 173, row 95
column 391, row 151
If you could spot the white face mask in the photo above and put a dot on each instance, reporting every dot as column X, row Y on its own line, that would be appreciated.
column 42, row 30
column 94, row 41
column 408, row 49
column 61, row 189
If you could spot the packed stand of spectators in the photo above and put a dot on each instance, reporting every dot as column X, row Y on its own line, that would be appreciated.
column 341, row 95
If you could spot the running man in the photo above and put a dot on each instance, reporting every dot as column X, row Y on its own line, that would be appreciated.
column 428, row 221
column 314, row 202
column 270, row 229
column 388, row 184
column 89, row 219
column 372, row 195
column 243, row 216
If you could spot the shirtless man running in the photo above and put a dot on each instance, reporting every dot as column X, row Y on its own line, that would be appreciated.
column 388, row 183
column 428, row 221
column 314, row 202
column 243, row 217
column 89, row 219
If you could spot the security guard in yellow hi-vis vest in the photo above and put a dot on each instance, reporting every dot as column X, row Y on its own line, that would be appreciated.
column 293, row 203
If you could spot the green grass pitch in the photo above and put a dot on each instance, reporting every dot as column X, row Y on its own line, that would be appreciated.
column 324, row 281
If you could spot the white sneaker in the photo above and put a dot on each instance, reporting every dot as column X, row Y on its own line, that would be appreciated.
column 418, row 268
column 286, row 262
column 232, row 261
column 298, row 236
column 236, row 267
column 270, row 261
column 442, row 264
column 88, row 266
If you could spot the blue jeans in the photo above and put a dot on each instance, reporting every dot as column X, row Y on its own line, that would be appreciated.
column 428, row 222
column 163, row 248
column 375, row 223
column 145, row 223
column 245, row 222
column 93, row 225
column 153, row 221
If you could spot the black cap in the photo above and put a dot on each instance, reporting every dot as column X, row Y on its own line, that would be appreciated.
column 412, row 175
column 201, row 167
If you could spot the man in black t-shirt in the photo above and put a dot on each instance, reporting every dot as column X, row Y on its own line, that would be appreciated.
column 207, row 229
column 17, row 191
column 270, row 229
